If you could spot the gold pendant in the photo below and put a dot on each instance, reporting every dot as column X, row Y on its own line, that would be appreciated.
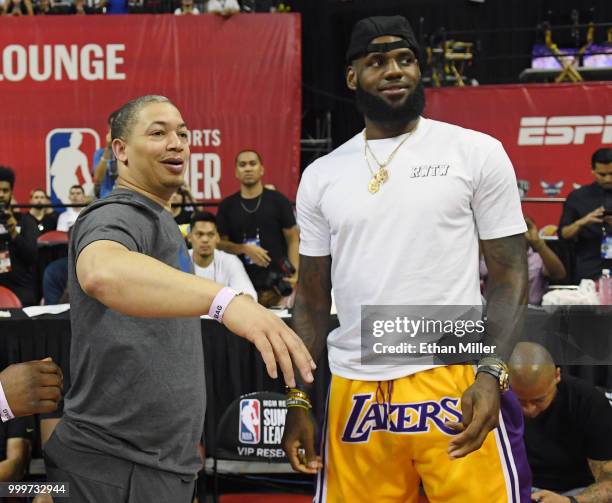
column 374, row 186
column 382, row 175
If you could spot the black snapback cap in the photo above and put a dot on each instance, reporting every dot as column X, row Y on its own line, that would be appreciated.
column 369, row 28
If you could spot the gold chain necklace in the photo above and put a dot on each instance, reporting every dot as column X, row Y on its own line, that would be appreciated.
column 382, row 174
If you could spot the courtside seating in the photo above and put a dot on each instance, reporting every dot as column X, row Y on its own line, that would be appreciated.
column 52, row 238
column 8, row 299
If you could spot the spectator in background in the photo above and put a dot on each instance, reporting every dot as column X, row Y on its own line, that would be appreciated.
column 213, row 264
column 18, row 252
column 38, row 215
column 17, row 8
column 68, row 217
column 186, row 8
column 15, row 449
column 568, row 430
column 182, row 214
column 79, row 7
column 587, row 219
column 259, row 225
column 105, row 165
column 55, row 282
column 114, row 6
column 43, row 8
column 223, row 7
column 49, row 209
column 543, row 264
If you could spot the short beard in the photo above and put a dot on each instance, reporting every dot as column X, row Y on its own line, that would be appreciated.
column 378, row 110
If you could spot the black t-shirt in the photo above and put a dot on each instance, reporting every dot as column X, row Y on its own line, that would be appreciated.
column 243, row 219
column 579, row 203
column 23, row 254
column 184, row 217
column 20, row 427
column 48, row 222
column 576, row 426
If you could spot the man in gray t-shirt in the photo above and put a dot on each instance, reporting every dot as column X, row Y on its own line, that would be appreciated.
column 135, row 411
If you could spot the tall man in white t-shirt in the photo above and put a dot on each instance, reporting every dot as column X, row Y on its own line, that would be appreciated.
column 393, row 218
column 213, row 264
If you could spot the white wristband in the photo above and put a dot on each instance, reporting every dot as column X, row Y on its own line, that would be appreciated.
column 220, row 303
column 6, row 413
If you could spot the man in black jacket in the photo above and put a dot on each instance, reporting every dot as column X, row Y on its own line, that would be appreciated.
column 18, row 251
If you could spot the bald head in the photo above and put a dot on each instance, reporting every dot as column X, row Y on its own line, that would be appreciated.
column 533, row 376
column 531, row 363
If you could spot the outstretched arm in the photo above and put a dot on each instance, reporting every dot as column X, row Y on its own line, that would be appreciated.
column 156, row 290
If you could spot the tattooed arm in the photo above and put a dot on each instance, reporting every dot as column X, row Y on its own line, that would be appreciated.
column 506, row 260
column 507, row 285
column 601, row 490
column 312, row 303
column 310, row 322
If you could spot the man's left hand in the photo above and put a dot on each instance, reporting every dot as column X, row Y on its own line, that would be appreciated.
column 549, row 497
column 480, row 411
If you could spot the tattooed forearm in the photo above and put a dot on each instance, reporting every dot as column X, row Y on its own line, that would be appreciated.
column 312, row 303
column 506, row 294
column 601, row 490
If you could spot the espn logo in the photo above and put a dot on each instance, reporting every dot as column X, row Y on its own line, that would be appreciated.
column 564, row 130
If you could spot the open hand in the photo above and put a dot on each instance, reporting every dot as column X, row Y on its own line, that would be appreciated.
column 276, row 342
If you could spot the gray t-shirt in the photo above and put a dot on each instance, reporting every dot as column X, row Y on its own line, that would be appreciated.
column 137, row 390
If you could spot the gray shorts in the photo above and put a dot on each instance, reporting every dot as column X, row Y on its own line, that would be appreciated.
column 100, row 478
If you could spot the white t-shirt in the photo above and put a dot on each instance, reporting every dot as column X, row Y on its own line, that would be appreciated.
column 67, row 219
column 226, row 269
column 194, row 11
column 415, row 242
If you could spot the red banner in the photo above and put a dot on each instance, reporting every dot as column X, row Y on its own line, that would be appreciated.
column 550, row 132
column 237, row 82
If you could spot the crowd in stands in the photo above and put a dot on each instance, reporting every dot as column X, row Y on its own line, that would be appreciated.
column 178, row 7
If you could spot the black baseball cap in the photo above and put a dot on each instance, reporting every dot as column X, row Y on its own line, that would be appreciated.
column 369, row 28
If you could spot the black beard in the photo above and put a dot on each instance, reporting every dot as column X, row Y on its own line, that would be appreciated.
column 378, row 110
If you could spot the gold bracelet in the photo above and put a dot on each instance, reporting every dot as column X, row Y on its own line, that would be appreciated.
column 297, row 405
column 298, row 393
column 298, row 402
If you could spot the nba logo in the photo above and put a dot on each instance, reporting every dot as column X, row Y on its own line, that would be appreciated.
column 69, row 158
column 250, row 424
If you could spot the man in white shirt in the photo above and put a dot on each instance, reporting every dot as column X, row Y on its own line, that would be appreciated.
column 213, row 264
column 391, row 220
column 68, row 217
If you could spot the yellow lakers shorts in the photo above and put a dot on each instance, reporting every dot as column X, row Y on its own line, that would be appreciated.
column 381, row 440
